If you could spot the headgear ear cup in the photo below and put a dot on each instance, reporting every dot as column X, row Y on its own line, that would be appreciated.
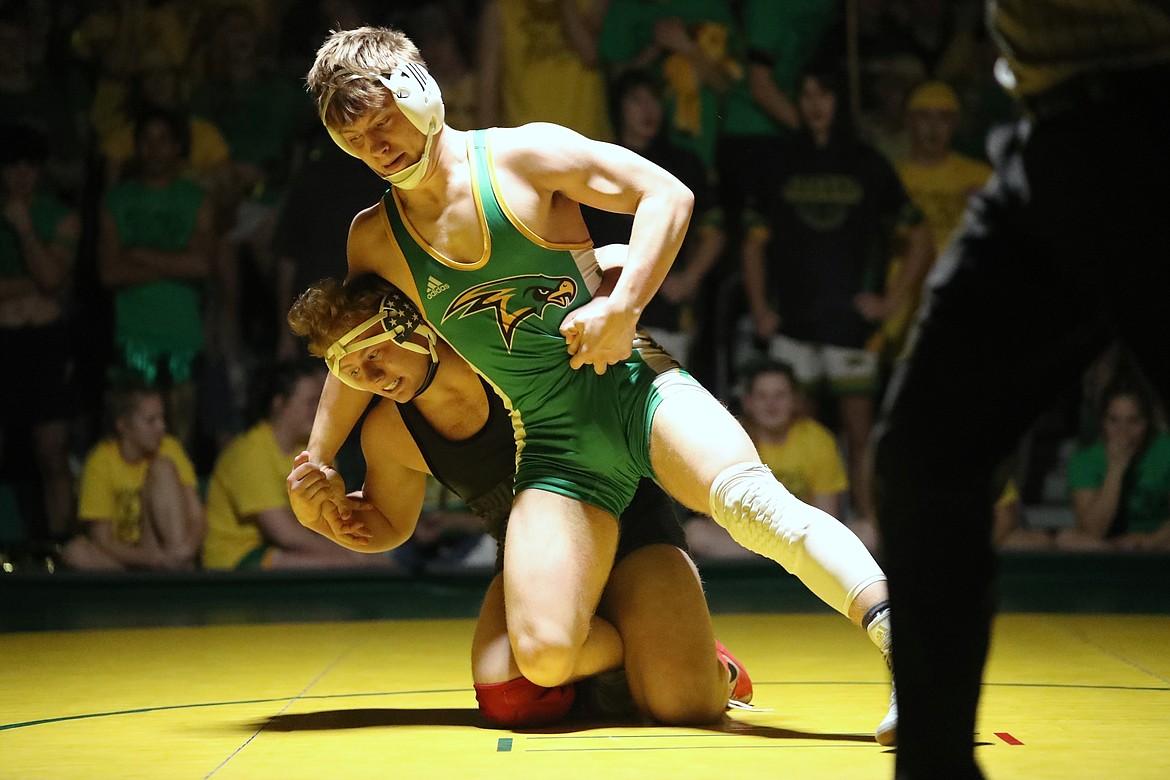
column 418, row 97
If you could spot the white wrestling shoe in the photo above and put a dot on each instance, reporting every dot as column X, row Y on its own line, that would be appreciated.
column 877, row 625
column 886, row 733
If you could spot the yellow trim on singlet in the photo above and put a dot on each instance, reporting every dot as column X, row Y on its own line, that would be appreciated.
column 485, row 235
column 516, row 223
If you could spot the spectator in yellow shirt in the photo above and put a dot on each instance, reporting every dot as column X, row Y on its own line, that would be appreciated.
column 800, row 451
column 251, row 524
column 937, row 178
column 138, row 494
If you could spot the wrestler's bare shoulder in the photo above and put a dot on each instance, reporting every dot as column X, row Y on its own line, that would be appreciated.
column 371, row 249
column 368, row 219
column 534, row 143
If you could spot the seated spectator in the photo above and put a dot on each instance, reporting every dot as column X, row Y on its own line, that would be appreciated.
column 801, row 452
column 38, row 242
column 1121, row 483
column 138, row 495
column 250, row 522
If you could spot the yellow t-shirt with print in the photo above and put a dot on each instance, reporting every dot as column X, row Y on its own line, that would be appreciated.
column 111, row 488
column 808, row 462
column 247, row 479
column 942, row 191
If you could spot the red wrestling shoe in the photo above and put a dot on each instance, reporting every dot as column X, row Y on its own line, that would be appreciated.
column 739, row 683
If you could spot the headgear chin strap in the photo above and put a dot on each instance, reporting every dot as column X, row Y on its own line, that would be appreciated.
column 419, row 99
column 400, row 319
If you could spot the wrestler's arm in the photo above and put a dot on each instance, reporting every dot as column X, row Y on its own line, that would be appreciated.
column 393, row 493
column 339, row 409
column 341, row 406
column 385, row 512
column 561, row 165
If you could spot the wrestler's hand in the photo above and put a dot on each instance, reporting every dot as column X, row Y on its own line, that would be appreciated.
column 317, row 495
column 352, row 531
column 599, row 334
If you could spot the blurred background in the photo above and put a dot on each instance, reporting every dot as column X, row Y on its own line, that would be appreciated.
column 168, row 190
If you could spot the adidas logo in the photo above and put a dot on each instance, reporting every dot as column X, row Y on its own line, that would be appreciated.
column 435, row 287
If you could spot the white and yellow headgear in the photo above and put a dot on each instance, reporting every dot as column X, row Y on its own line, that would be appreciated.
column 418, row 97
column 400, row 319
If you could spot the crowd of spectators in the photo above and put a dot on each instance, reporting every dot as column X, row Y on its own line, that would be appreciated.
column 167, row 190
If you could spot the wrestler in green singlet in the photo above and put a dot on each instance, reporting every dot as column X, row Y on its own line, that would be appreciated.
column 578, row 434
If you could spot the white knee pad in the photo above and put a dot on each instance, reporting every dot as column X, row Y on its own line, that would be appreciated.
column 764, row 517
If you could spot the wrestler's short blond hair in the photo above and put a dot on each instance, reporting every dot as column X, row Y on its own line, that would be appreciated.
column 343, row 79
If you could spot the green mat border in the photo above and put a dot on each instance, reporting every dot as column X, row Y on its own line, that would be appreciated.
column 1137, row 583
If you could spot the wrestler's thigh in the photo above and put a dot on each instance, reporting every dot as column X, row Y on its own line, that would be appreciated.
column 557, row 559
column 692, row 439
column 655, row 600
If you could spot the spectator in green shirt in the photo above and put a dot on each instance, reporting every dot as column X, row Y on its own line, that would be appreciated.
column 1121, row 482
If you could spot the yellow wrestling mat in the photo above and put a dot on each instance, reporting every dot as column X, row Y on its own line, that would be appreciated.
column 1066, row 696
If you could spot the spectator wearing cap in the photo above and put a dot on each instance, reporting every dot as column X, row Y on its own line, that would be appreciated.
column 937, row 178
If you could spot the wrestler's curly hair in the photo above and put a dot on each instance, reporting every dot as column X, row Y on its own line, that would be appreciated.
column 331, row 308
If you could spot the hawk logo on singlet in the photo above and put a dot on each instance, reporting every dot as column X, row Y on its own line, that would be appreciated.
column 514, row 299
